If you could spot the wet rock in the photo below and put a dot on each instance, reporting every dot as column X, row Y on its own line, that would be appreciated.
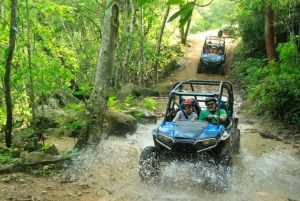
column 120, row 123
column 296, row 146
column 52, row 150
column 281, row 137
column 6, row 179
column 246, row 104
column 132, row 89
column 267, row 134
column 30, row 146
column 296, row 137
column 22, row 180
column 18, row 143
column 3, row 148
column 71, row 194
column 38, row 157
column 143, row 116
column 146, row 92
column 127, row 90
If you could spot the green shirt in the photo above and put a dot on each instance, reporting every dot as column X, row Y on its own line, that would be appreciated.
column 205, row 113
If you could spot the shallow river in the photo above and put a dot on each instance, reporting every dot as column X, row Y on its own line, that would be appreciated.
column 264, row 170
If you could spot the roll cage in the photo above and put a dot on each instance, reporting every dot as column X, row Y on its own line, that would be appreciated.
column 221, row 90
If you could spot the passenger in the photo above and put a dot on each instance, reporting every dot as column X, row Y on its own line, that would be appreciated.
column 211, row 114
column 187, row 113
column 208, row 49
column 218, row 50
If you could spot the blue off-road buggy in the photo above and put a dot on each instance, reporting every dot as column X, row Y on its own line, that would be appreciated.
column 197, row 140
column 209, row 59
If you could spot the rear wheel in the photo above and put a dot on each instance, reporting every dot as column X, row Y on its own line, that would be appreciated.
column 149, row 166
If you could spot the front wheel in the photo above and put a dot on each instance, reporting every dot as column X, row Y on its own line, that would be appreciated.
column 224, row 173
column 222, row 69
column 236, row 143
column 199, row 68
column 149, row 166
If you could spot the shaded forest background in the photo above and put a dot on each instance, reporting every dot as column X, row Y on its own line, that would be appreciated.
column 57, row 46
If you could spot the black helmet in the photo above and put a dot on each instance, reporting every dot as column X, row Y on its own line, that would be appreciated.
column 210, row 99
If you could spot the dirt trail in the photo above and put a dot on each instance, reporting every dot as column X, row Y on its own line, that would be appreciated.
column 264, row 170
column 192, row 56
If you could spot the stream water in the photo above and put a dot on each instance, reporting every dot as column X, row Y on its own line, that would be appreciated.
column 264, row 170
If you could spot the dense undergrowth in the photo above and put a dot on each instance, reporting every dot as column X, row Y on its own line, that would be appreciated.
column 272, row 86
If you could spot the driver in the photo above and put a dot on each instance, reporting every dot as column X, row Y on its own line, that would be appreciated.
column 210, row 114
column 218, row 50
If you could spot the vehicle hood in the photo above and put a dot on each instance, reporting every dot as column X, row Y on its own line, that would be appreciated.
column 196, row 130
column 211, row 57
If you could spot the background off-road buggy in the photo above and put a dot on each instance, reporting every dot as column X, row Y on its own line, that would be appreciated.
column 211, row 61
column 197, row 140
column 228, row 29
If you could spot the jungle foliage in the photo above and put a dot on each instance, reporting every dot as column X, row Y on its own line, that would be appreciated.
column 65, row 38
column 272, row 85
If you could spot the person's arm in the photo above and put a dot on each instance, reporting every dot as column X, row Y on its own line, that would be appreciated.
column 177, row 116
column 223, row 116
column 194, row 116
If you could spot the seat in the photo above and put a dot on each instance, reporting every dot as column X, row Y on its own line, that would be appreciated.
column 223, row 105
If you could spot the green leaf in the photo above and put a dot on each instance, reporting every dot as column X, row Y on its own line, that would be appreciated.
column 141, row 2
column 4, row 24
column 183, row 21
column 175, row 15
column 174, row 2
column 110, row 4
column 187, row 8
column 184, row 10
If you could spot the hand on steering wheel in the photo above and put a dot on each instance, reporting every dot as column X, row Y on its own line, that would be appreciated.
column 205, row 119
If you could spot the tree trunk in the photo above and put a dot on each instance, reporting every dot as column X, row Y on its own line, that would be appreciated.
column 119, row 67
column 7, row 87
column 96, row 108
column 187, row 31
column 141, row 50
column 128, row 47
column 181, row 32
column 159, row 44
column 270, row 36
column 31, row 83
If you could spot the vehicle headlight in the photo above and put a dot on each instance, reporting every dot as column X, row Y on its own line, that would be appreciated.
column 206, row 144
column 164, row 140
column 209, row 142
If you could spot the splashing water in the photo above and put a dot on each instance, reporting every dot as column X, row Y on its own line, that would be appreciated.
column 114, row 166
